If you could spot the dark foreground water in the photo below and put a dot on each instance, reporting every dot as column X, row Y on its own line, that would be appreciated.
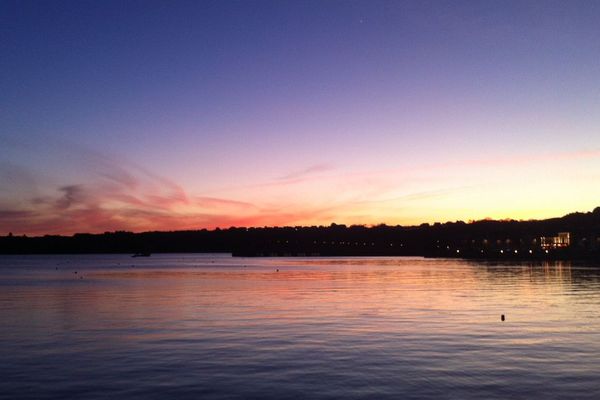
column 216, row 327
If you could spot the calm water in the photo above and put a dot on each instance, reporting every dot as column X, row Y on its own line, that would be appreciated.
column 216, row 327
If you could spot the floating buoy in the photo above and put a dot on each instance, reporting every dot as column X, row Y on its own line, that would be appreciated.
column 502, row 317
column 277, row 269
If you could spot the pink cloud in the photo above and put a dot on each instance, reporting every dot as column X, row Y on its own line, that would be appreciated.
column 123, row 196
column 135, row 199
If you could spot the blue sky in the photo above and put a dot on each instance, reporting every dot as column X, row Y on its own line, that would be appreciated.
column 398, row 112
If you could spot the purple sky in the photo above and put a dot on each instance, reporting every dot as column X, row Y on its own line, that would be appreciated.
column 170, row 115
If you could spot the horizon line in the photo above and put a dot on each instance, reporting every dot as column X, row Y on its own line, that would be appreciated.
column 332, row 224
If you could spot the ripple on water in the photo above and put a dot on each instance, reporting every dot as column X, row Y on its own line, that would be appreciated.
column 215, row 327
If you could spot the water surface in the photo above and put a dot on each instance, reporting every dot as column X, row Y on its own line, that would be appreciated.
column 214, row 327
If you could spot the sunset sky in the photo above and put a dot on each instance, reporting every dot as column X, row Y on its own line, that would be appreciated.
column 165, row 115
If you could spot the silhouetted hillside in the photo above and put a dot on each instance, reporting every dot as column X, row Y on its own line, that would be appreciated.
column 487, row 238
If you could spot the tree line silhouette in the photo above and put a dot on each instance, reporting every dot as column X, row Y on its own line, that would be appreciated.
column 481, row 239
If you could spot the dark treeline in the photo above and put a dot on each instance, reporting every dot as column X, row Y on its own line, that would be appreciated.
column 486, row 238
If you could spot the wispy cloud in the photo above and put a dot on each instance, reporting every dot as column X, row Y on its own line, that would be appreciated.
column 119, row 195
column 122, row 196
column 116, row 195
column 306, row 172
column 214, row 202
column 72, row 195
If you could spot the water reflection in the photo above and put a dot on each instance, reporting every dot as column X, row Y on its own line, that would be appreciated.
column 190, row 326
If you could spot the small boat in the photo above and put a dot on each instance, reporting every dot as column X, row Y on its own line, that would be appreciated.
column 141, row 255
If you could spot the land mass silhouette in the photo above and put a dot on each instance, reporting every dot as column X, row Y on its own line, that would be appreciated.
column 575, row 235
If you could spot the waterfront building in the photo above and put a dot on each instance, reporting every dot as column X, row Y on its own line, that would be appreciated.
column 554, row 242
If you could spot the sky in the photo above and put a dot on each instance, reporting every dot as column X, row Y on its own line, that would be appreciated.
column 168, row 115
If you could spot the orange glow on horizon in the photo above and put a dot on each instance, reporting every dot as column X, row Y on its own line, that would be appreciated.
column 519, row 189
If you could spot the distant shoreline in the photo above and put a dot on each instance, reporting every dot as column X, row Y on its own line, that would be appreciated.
column 574, row 236
column 554, row 258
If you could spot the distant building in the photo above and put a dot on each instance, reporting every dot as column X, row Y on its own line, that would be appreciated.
column 554, row 242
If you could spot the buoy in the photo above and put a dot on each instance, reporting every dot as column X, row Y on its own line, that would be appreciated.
column 502, row 317
column 277, row 269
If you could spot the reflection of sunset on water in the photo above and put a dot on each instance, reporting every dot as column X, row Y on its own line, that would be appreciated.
column 379, row 295
column 393, row 322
